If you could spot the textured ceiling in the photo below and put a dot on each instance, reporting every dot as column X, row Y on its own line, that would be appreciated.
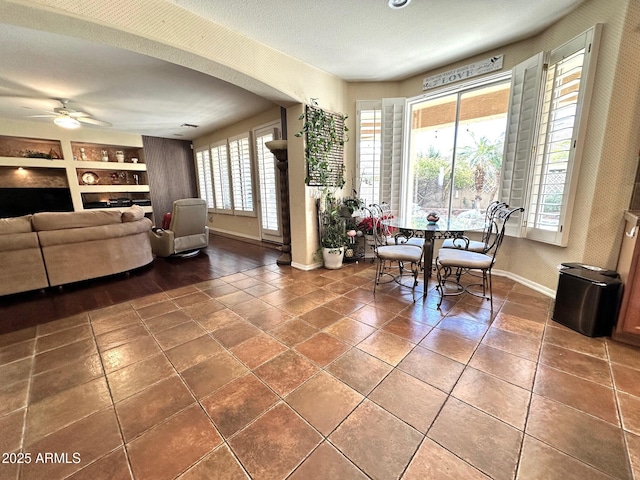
column 352, row 39
column 366, row 40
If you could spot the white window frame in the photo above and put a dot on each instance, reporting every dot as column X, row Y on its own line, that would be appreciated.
column 456, row 89
column 372, row 158
column 241, row 175
column 271, row 129
column 523, row 151
column 220, row 174
column 203, row 174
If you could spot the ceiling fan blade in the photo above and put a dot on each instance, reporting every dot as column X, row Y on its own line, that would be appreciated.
column 52, row 115
column 93, row 121
column 78, row 114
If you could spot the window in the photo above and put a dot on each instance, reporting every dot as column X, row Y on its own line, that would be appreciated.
column 369, row 145
column 203, row 171
column 225, row 176
column 546, row 131
column 268, row 182
column 220, row 171
column 519, row 141
column 455, row 148
column 241, row 184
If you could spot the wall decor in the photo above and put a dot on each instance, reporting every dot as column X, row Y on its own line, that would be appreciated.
column 325, row 134
column 462, row 73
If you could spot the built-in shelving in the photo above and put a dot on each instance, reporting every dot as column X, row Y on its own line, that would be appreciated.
column 97, row 175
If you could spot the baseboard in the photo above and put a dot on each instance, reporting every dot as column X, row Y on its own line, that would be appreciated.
column 526, row 282
column 245, row 238
column 301, row 266
column 232, row 234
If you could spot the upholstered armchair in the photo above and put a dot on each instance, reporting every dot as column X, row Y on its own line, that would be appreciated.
column 187, row 232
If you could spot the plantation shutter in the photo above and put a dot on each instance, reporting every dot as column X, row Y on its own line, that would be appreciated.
column 220, row 174
column 368, row 150
column 267, row 182
column 521, row 128
column 392, row 146
column 203, row 169
column 241, row 184
column 563, row 121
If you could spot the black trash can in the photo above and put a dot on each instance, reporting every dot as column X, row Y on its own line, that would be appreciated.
column 587, row 299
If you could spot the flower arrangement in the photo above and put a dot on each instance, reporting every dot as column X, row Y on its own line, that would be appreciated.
column 367, row 224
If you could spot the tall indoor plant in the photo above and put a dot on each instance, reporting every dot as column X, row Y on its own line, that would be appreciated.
column 325, row 134
column 333, row 236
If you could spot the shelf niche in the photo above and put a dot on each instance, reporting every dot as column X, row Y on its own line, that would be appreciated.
column 93, row 153
column 110, row 177
column 29, row 148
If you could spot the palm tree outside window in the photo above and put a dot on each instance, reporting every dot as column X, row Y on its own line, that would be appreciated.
column 455, row 150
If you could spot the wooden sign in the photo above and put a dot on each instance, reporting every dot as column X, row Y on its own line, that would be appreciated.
column 462, row 73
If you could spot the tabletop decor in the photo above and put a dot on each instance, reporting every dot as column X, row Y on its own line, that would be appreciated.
column 433, row 218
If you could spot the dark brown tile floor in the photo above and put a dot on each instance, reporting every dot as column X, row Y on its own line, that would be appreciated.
column 268, row 372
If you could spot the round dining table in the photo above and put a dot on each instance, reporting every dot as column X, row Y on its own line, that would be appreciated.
column 455, row 226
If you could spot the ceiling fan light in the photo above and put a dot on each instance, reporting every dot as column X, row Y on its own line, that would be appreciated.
column 395, row 4
column 65, row 121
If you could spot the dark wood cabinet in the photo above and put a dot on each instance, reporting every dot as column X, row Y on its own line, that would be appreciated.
column 628, row 326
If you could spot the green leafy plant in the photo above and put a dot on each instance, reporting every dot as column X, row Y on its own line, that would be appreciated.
column 325, row 134
column 332, row 224
column 351, row 204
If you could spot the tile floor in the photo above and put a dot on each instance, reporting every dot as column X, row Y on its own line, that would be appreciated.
column 276, row 373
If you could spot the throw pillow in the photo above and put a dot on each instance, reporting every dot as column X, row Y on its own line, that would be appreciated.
column 133, row 214
column 166, row 221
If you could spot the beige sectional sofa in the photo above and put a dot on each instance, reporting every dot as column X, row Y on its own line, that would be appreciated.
column 51, row 248
column 21, row 264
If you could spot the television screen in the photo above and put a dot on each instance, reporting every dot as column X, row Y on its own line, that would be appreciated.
column 15, row 202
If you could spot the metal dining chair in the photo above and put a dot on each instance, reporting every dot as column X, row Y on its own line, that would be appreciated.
column 484, row 244
column 452, row 263
column 383, row 211
column 393, row 259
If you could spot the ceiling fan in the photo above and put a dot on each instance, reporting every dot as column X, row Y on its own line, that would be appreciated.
column 68, row 118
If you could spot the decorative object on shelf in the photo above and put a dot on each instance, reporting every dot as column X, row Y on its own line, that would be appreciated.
column 136, row 179
column 54, row 155
column 90, row 178
column 134, row 160
column 120, row 156
column 32, row 154
column 115, row 180
column 325, row 134
column 105, row 156
column 83, row 156
column 279, row 150
column 433, row 218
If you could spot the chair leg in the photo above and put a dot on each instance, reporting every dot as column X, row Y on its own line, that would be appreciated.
column 490, row 291
column 441, row 279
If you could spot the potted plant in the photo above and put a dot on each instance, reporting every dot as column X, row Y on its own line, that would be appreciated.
column 351, row 205
column 333, row 235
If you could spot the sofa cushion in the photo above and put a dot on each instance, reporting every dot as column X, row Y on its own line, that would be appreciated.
column 18, row 241
column 64, row 220
column 15, row 225
column 91, row 234
column 133, row 213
